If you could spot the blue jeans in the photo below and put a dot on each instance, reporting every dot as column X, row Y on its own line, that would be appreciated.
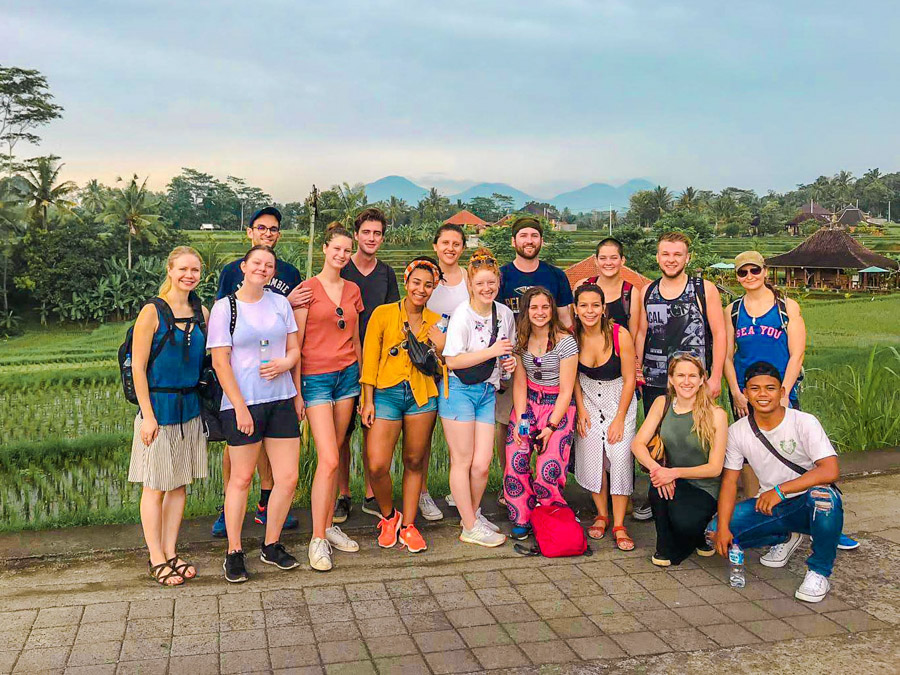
column 395, row 403
column 819, row 512
column 330, row 387
column 467, row 402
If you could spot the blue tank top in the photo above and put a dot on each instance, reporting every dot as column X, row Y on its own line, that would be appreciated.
column 761, row 338
column 178, row 367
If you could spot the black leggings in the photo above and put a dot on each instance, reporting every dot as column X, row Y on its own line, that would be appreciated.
column 681, row 521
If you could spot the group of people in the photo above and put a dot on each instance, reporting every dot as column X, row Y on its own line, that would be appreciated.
column 509, row 358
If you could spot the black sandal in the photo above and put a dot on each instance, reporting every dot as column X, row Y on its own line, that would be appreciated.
column 181, row 569
column 156, row 573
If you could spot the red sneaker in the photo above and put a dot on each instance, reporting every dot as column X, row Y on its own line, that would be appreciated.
column 389, row 527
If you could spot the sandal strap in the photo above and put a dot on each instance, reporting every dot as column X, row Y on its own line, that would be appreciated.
column 156, row 573
column 605, row 519
column 619, row 528
column 179, row 569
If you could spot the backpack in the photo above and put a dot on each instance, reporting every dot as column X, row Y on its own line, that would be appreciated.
column 211, row 391
column 557, row 533
column 627, row 288
column 124, row 355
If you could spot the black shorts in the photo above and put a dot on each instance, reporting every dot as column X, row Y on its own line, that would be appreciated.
column 275, row 419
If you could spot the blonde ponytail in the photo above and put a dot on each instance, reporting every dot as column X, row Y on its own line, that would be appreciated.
column 176, row 253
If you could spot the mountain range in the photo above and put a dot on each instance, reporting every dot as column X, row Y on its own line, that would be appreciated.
column 596, row 196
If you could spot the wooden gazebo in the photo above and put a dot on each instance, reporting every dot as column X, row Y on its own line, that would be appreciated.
column 829, row 258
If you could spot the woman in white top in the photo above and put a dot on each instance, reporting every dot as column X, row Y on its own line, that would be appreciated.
column 478, row 346
column 253, row 352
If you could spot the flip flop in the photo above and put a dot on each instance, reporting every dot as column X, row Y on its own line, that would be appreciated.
column 595, row 531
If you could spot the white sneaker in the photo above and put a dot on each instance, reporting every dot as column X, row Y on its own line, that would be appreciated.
column 481, row 535
column 450, row 501
column 779, row 554
column 814, row 587
column 339, row 540
column 428, row 508
column 320, row 555
column 484, row 521
column 642, row 512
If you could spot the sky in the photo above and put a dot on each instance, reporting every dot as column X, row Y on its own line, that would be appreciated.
column 544, row 95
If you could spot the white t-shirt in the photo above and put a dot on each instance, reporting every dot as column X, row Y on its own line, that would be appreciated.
column 445, row 299
column 271, row 318
column 470, row 332
column 799, row 438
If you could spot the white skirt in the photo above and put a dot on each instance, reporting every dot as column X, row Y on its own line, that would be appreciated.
column 171, row 460
column 593, row 454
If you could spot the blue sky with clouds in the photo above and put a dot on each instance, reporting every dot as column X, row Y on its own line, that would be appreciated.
column 546, row 96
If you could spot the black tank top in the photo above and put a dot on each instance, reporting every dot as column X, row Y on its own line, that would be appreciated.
column 611, row 370
column 616, row 309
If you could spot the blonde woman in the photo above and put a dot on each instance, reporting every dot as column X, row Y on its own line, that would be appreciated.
column 685, row 486
column 169, row 448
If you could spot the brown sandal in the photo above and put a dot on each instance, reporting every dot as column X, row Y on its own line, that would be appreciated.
column 182, row 567
column 158, row 575
column 624, row 543
column 595, row 531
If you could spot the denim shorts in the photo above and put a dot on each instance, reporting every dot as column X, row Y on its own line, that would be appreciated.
column 330, row 387
column 467, row 402
column 396, row 402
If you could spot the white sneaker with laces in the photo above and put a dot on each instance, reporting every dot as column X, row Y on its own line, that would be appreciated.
column 778, row 555
column 642, row 512
column 339, row 540
column 428, row 508
column 484, row 521
column 320, row 555
column 481, row 535
column 814, row 587
column 450, row 501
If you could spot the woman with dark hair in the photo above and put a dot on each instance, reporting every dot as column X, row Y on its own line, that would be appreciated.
column 328, row 331
column 543, row 384
column 622, row 302
column 397, row 397
column 607, row 410
column 685, row 482
column 253, row 338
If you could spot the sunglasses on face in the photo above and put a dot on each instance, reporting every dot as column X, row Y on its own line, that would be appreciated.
column 749, row 269
column 341, row 323
column 262, row 229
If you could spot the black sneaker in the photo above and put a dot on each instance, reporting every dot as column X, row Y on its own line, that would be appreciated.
column 274, row 554
column 235, row 570
column 342, row 508
column 370, row 506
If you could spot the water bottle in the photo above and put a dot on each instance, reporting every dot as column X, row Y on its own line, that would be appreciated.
column 524, row 426
column 504, row 374
column 263, row 351
column 736, row 561
column 444, row 322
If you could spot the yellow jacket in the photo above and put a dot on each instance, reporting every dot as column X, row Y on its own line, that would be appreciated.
column 385, row 331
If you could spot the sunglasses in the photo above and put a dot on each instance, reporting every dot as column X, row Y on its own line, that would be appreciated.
column 538, row 375
column 749, row 269
column 482, row 261
column 341, row 323
column 262, row 229
column 395, row 350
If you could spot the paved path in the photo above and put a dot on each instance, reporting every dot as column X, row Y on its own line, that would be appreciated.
column 460, row 608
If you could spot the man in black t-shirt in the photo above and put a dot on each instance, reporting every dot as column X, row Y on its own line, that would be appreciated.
column 378, row 286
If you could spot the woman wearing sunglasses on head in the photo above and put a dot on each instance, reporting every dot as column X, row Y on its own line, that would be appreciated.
column 398, row 396
column 478, row 350
column 328, row 330
column 543, row 414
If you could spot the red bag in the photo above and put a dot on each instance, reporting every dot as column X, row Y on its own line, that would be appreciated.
column 557, row 533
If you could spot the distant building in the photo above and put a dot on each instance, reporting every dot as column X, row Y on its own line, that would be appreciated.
column 850, row 216
column 831, row 258
column 811, row 211
column 466, row 218
column 588, row 268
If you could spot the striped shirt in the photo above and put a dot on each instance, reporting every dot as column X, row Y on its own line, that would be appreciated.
column 548, row 364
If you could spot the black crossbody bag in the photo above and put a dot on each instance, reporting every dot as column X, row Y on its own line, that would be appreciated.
column 421, row 354
column 481, row 372
column 796, row 468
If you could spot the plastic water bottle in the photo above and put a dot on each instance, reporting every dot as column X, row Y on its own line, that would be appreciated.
column 736, row 561
column 524, row 426
column 444, row 322
column 263, row 351
column 504, row 374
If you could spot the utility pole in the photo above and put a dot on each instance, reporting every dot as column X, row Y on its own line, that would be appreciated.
column 610, row 226
column 313, row 205
column 889, row 210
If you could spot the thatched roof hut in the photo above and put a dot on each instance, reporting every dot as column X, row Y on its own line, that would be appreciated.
column 830, row 258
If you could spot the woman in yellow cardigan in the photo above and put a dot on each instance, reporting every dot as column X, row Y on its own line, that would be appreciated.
column 398, row 396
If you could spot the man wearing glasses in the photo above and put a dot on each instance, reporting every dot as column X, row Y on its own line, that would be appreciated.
column 264, row 229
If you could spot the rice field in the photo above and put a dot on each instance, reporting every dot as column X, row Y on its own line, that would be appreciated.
column 65, row 428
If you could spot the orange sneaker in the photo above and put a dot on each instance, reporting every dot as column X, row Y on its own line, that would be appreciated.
column 389, row 527
column 411, row 538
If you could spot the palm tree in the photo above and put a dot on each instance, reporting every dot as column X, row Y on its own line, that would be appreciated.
column 843, row 186
column 12, row 226
column 689, row 199
column 350, row 201
column 661, row 199
column 434, row 205
column 41, row 190
column 395, row 209
column 132, row 206
column 93, row 196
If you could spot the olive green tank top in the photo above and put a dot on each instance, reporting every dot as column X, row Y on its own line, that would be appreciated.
column 683, row 448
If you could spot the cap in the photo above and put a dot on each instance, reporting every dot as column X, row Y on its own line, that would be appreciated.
column 749, row 258
column 527, row 221
column 266, row 210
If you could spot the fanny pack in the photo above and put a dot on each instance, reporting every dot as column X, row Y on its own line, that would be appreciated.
column 421, row 354
column 481, row 372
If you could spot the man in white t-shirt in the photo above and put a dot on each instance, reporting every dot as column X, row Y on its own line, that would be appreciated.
column 792, row 501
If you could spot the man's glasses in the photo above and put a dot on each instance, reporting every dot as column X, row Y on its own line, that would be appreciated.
column 262, row 229
column 341, row 323
column 750, row 269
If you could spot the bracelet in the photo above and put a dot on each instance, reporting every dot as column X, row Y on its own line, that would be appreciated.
column 779, row 492
column 550, row 425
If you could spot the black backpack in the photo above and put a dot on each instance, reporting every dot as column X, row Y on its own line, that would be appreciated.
column 169, row 321
column 211, row 391
column 627, row 288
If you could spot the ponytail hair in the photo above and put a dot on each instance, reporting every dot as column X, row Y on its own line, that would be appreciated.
column 176, row 253
column 704, row 405
column 605, row 321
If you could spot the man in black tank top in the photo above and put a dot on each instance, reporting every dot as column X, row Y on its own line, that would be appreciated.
column 678, row 313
